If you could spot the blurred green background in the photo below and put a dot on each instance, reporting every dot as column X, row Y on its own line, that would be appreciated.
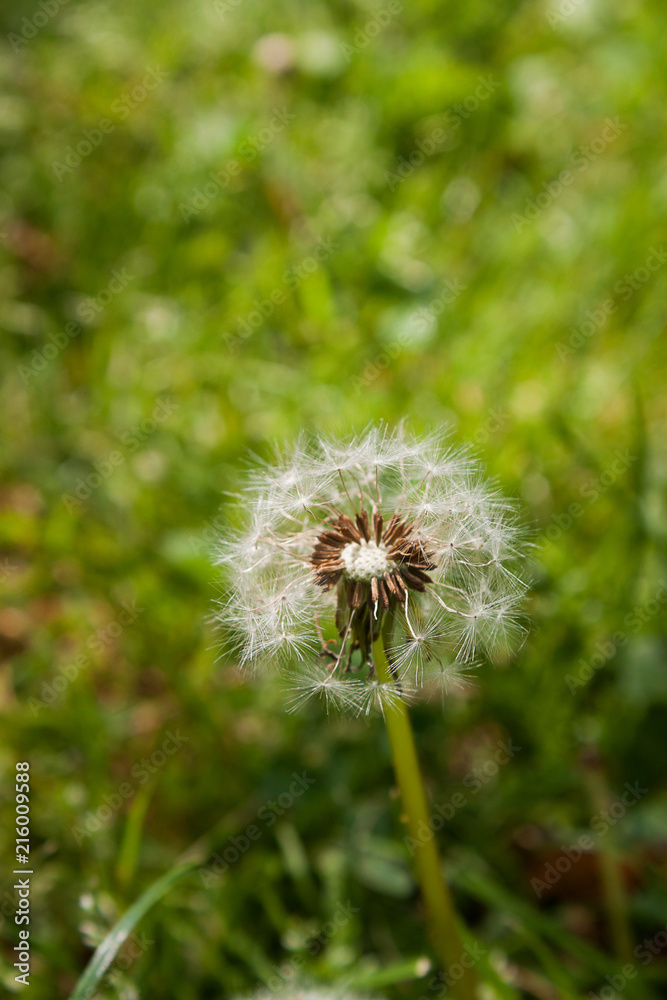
column 221, row 223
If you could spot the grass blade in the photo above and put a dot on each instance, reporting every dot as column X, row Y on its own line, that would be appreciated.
column 108, row 949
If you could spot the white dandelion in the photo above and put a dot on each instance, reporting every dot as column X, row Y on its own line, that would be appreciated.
column 385, row 535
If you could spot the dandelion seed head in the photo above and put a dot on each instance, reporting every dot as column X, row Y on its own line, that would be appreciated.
column 385, row 533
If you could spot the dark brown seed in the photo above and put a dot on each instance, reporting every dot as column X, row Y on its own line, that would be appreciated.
column 329, row 537
column 390, row 581
column 405, row 546
column 396, row 555
column 362, row 525
column 385, row 597
column 358, row 594
column 394, row 528
column 325, row 552
column 411, row 561
column 378, row 522
column 411, row 556
column 330, row 567
column 423, row 557
column 416, row 553
column 412, row 580
column 416, row 571
column 400, row 587
column 346, row 527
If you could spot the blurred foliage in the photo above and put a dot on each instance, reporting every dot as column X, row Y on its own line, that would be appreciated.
column 221, row 223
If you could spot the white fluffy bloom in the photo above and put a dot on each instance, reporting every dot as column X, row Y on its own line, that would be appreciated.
column 386, row 534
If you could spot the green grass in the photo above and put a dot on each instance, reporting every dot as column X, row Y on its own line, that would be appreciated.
column 147, row 348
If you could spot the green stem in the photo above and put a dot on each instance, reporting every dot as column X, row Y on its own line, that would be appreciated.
column 611, row 872
column 439, row 906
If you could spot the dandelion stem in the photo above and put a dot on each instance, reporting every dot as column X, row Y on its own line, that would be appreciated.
column 441, row 914
column 611, row 872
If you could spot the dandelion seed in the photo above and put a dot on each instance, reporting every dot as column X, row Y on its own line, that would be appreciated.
column 379, row 695
column 314, row 682
column 411, row 651
column 384, row 534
